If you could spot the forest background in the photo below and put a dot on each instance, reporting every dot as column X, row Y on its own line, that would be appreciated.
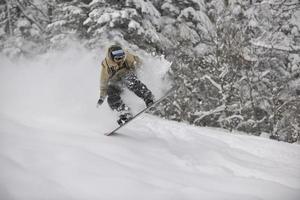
column 237, row 62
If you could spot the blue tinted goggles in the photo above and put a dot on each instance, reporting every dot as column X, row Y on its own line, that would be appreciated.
column 118, row 54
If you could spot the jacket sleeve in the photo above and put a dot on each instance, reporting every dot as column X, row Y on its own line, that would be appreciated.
column 104, row 77
column 134, row 61
column 137, row 61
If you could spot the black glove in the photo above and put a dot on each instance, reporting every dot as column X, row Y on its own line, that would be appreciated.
column 100, row 101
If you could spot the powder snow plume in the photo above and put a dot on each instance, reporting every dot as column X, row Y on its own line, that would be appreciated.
column 65, row 85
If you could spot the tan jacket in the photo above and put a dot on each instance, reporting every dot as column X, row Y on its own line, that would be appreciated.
column 111, row 71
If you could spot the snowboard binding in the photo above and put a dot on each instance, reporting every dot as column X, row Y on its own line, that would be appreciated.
column 123, row 118
column 126, row 116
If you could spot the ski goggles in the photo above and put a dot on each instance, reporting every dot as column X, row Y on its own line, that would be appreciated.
column 118, row 54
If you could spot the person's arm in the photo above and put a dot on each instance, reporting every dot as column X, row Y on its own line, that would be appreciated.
column 134, row 61
column 103, row 84
column 137, row 61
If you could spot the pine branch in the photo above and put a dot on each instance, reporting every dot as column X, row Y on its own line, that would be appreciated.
column 32, row 20
column 290, row 49
column 39, row 10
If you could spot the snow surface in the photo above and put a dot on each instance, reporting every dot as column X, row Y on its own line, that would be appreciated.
column 52, row 144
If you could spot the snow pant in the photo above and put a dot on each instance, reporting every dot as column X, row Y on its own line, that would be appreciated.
column 130, row 81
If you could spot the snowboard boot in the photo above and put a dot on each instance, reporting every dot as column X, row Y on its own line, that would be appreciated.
column 123, row 118
column 124, row 114
column 149, row 101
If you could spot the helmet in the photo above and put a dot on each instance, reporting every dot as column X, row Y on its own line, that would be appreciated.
column 116, row 53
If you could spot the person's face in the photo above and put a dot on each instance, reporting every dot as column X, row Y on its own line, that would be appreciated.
column 118, row 55
column 119, row 59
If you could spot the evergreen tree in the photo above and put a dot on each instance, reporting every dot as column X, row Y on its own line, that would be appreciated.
column 21, row 28
column 67, row 19
column 119, row 21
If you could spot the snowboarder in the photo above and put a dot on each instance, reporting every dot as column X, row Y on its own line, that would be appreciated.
column 118, row 71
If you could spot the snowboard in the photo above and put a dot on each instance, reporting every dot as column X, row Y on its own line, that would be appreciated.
column 170, row 91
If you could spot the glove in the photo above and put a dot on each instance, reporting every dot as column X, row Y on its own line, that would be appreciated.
column 100, row 101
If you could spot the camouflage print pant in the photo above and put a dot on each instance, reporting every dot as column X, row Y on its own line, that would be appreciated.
column 130, row 81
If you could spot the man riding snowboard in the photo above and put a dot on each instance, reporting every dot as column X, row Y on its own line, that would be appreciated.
column 118, row 71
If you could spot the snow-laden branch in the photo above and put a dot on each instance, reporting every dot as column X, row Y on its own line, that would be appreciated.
column 203, row 114
column 31, row 19
column 213, row 82
column 290, row 48
column 40, row 11
column 281, row 3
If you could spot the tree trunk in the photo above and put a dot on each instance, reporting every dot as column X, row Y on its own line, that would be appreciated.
column 50, row 11
column 9, row 18
column 226, row 3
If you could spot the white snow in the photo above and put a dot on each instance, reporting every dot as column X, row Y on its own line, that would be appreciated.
column 73, row 9
column 197, row 16
column 145, row 6
column 133, row 25
column 52, row 144
column 168, row 7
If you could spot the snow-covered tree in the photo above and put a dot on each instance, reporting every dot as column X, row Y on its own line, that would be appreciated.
column 21, row 27
column 243, row 82
column 136, row 22
column 67, row 19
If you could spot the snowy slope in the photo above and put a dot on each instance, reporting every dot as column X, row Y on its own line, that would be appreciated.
column 52, row 146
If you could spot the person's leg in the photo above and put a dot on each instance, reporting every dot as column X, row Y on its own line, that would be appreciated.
column 140, row 89
column 115, row 102
column 114, row 97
